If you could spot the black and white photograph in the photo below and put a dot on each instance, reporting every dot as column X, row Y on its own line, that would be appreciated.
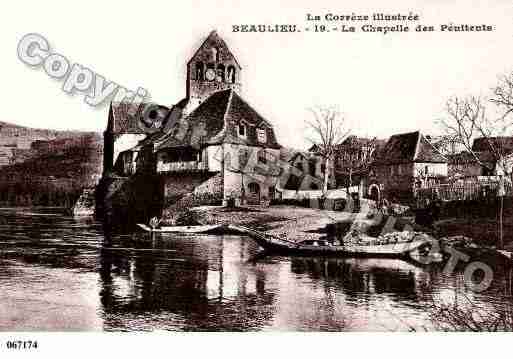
column 235, row 166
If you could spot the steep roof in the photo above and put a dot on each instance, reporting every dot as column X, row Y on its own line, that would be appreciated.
column 213, row 39
column 360, row 141
column 467, row 158
column 287, row 154
column 126, row 117
column 218, row 117
column 409, row 147
column 503, row 144
column 305, row 155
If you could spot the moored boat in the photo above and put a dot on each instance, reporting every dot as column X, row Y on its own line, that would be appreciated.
column 182, row 229
column 323, row 247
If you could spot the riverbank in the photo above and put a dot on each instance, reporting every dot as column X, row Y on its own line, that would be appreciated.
column 291, row 222
column 299, row 223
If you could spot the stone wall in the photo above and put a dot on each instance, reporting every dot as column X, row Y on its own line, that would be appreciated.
column 241, row 166
column 213, row 186
column 396, row 182
column 177, row 185
column 124, row 201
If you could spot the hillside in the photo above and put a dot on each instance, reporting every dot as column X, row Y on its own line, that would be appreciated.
column 47, row 167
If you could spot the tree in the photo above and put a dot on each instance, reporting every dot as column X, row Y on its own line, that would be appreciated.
column 467, row 121
column 503, row 97
column 329, row 128
column 354, row 156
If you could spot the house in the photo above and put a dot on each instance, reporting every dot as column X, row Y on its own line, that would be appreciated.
column 212, row 142
column 465, row 165
column 126, row 127
column 235, row 148
column 353, row 157
column 407, row 161
column 497, row 154
column 489, row 157
column 307, row 172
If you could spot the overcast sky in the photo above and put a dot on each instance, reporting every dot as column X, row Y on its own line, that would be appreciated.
column 384, row 84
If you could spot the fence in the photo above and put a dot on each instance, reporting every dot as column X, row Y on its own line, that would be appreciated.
column 332, row 193
column 466, row 191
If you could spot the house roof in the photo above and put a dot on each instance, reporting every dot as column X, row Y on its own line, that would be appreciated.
column 287, row 153
column 305, row 155
column 409, row 147
column 360, row 141
column 465, row 157
column 503, row 144
column 127, row 117
column 353, row 142
column 217, row 118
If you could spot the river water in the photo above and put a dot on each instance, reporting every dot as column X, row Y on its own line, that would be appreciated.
column 59, row 273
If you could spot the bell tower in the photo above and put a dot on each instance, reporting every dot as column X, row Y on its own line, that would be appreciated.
column 212, row 68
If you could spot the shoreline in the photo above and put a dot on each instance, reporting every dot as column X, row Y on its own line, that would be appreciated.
column 285, row 221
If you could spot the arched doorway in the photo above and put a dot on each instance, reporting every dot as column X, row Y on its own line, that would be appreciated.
column 254, row 193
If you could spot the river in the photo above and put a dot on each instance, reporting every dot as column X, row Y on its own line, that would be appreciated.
column 58, row 273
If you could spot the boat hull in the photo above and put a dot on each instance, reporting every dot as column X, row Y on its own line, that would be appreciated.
column 182, row 229
column 285, row 247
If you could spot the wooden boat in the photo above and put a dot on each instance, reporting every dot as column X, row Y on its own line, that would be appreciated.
column 183, row 229
column 322, row 247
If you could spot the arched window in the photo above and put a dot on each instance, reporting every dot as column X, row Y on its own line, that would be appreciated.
column 242, row 130
column 199, row 71
column 231, row 74
column 220, row 73
column 215, row 54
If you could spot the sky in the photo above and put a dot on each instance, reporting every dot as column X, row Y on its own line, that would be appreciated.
column 383, row 84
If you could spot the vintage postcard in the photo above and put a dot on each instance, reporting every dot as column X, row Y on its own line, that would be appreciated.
column 227, row 166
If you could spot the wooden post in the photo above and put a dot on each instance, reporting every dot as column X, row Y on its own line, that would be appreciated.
column 501, row 191
column 501, row 238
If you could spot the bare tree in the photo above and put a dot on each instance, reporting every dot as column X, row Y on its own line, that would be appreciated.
column 467, row 120
column 329, row 128
column 354, row 156
column 503, row 97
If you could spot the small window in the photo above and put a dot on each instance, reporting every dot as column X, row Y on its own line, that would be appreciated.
column 261, row 135
column 262, row 158
column 199, row 71
column 242, row 130
column 243, row 158
column 426, row 170
column 230, row 75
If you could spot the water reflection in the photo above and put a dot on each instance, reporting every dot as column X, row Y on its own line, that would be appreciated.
column 72, row 274
column 201, row 283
